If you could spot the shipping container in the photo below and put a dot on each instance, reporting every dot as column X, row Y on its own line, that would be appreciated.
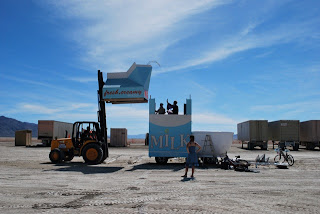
column 118, row 137
column 310, row 134
column 253, row 133
column 285, row 132
column 49, row 130
column 23, row 138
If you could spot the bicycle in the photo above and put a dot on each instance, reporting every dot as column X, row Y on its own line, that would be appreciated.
column 237, row 164
column 282, row 157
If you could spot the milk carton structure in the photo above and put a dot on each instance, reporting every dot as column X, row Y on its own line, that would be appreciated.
column 169, row 133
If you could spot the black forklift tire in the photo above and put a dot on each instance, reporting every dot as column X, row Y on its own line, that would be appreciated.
column 56, row 155
column 92, row 153
column 161, row 160
column 105, row 155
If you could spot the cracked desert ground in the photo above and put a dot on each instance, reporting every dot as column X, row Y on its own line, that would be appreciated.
column 131, row 182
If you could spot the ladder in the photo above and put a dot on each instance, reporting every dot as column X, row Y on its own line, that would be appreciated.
column 208, row 143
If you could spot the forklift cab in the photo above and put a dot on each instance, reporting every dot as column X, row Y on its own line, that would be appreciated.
column 83, row 131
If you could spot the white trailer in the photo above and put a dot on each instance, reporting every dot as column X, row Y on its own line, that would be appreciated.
column 49, row 130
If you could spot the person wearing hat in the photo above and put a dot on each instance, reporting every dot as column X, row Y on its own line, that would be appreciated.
column 161, row 110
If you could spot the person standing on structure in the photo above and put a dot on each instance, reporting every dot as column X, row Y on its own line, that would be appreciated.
column 161, row 110
column 174, row 107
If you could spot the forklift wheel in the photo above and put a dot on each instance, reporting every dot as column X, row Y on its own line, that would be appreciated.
column 92, row 153
column 56, row 156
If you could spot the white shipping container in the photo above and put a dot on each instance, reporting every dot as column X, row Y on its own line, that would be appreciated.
column 49, row 130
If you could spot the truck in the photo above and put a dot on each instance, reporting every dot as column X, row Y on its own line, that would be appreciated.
column 310, row 134
column 170, row 133
column 253, row 133
column 285, row 133
column 49, row 130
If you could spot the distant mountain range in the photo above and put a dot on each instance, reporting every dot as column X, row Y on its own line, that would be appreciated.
column 137, row 136
column 9, row 126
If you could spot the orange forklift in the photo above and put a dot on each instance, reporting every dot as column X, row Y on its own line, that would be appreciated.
column 89, row 139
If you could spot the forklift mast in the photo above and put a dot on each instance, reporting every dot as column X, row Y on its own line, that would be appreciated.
column 102, row 115
column 121, row 88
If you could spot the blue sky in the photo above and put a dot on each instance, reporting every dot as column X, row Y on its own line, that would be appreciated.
column 239, row 60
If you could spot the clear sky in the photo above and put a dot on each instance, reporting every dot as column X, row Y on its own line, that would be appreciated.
column 239, row 60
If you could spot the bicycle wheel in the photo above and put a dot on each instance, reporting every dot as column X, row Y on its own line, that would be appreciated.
column 290, row 160
column 279, row 159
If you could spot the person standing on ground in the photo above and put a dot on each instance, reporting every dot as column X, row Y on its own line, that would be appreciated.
column 192, row 159
column 174, row 107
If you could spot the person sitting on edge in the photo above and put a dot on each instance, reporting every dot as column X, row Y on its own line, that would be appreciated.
column 174, row 107
column 161, row 110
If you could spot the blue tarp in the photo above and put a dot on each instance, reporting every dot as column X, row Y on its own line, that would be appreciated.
column 128, row 87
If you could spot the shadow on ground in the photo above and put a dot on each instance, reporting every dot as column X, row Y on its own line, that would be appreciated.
column 154, row 166
column 84, row 168
column 187, row 179
column 170, row 166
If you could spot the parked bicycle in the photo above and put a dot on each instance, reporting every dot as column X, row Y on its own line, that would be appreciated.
column 237, row 164
column 283, row 156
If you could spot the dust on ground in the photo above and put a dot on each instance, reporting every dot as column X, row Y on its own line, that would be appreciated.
column 131, row 182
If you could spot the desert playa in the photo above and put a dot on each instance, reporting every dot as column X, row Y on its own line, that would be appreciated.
column 131, row 182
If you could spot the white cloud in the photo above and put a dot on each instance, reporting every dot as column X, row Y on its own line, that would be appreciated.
column 54, row 111
column 296, row 111
column 117, row 112
column 113, row 32
column 46, row 85
column 297, row 107
column 203, row 89
column 245, row 40
column 213, row 122
column 212, row 118
column 30, row 108
column 83, row 79
column 117, row 115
